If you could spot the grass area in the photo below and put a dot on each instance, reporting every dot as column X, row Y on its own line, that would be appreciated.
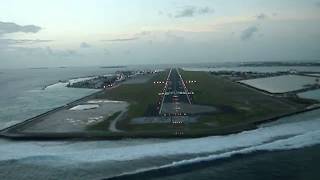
column 237, row 103
column 142, row 98
column 104, row 125
column 238, row 106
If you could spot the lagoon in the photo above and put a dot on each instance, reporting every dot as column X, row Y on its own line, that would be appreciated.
column 281, row 84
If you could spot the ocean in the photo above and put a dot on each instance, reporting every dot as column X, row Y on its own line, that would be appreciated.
column 287, row 149
column 23, row 95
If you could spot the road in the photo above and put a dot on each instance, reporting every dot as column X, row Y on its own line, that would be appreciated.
column 175, row 95
column 113, row 124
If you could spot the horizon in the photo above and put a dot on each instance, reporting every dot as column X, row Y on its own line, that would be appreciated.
column 96, row 33
column 228, row 63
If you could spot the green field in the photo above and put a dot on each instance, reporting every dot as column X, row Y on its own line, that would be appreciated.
column 142, row 98
column 236, row 103
column 239, row 107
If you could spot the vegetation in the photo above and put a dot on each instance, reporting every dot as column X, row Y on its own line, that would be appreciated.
column 236, row 103
column 239, row 107
column 143, row 98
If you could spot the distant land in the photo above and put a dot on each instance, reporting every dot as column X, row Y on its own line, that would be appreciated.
column 256, row 64
column 169, row 104
column 39, row 68
column 113, row 67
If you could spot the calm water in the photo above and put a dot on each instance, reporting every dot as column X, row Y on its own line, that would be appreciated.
column 281, row 84
column 258, row 69
column 314, row 94
column 22, row 95
column 287, row 149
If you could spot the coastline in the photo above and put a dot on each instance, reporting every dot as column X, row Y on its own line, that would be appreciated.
column 16, row 131
column 12, row 132
column 35, row 118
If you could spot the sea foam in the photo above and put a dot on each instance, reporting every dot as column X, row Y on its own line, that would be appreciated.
column 286, row 135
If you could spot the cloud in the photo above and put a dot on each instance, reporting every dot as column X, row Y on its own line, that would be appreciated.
column 143, row 33
column 12, row 43
column 261, row 16
column 187, row 12
column 192, row 11
column 249, row 33
column 317, row 4
column 61, row 53
column 106, row 51
column 127, row 52
column 85, row 45
column 70, row 52
column 172, row 37
column 205, row 10
column 49, row 50
column 24, row 41
column 121, row 39
column 10, row 27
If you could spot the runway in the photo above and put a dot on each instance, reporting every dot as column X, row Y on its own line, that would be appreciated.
column 176, row 99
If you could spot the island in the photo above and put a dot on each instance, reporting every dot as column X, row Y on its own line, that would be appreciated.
column 173, row 103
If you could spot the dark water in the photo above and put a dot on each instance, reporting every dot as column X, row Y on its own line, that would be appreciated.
column 294, row 165
column 22, row 95
column 299, row 164
column 256, row 156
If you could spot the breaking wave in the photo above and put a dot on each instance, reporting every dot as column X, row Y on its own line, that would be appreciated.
column 290, row 133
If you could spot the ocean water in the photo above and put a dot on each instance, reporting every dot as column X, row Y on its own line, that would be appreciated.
column 23, row 95
column 314, row 94
column 155, row 158
column 286, row 149
column 281, row 84
column 298, row 164
column 256, row 69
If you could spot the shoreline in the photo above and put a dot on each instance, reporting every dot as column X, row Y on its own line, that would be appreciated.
column 35, row 118
column 11, row 134
column 16, row 131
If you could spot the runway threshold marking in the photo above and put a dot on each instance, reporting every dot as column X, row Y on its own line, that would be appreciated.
column 164, row 90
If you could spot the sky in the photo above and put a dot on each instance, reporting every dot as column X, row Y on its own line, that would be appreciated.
column 53, row 33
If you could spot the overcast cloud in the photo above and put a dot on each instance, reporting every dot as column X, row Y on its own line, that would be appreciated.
column 249, row 33
column 85, row 45
column 261, row 16
column 98, row 32
column 121, row 39
column 192, row 11
column 10, row 27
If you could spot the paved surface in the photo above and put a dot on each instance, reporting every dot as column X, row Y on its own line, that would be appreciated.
column 67, row 120
column 113, row 124
column 139, row 79
column 176, row 95
column 164, row 120
column 185, row 109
